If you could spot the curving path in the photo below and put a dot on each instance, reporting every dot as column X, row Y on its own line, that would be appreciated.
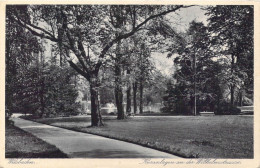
column 83, row 145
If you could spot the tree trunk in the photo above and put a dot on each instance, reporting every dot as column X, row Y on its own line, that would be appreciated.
column 141, row 97
column 218, row 104
column 42, row 103
column 128, row 96
column 119, row 104
column 118, row 85
column 61, row 61
column 96, row 119
column 232, row 86
column 134, row 97
column 241, row 98
column 232, row 90
column 42, row 84
column 193, row 106
column 194, row 101
column 119, row 92
column 194, row 83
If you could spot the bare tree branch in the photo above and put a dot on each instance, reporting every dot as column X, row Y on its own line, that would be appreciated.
column 42, row 35
column 134, row 30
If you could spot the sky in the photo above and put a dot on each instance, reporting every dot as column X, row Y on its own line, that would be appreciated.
column 186, row 15
column 180, row 21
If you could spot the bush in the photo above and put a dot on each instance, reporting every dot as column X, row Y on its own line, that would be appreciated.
column 227, row 109
column 8, row 122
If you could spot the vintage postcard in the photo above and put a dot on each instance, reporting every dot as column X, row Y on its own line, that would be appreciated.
column 129, row 84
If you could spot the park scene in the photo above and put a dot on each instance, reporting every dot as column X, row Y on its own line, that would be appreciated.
column 129, row 81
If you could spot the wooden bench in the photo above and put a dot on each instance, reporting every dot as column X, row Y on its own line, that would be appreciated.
column 246, row 110
column 207, row 113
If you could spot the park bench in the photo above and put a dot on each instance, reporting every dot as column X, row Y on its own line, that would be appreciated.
column 246, row 110
column 207, row 113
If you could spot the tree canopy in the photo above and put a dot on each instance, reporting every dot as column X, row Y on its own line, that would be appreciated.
column 111, row 47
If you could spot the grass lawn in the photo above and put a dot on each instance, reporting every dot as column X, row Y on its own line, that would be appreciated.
column 187, row 136
column 20, row 144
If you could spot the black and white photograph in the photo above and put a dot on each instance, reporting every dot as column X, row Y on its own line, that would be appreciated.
column 129, row 81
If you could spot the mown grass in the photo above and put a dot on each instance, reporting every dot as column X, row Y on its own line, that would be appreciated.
column 20, row 144
column 186, row 136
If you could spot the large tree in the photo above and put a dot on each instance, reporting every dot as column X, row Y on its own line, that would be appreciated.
column 76, row 27
column 232, row 32
column 193, row 64
column 34, row 84
column 21, row 48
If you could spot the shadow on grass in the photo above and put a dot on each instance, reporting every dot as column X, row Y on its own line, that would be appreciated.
column 21, row 144
column 138, row 142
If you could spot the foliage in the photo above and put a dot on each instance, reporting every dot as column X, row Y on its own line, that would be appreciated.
column 60, row 93
column 111, row 46
column 227, row 109
column 232, row 32
column 193, row 75
column 20, row 47
column 154, row 89
column 215, row 64
column 26, row 91
column 45, row 91
column 32, row 85
column 99, row 27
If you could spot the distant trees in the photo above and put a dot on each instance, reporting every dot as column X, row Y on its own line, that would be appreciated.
column 41, row 88
column 117, row 40
column 232, row 34
column 20, row 47
column 192, row 67
column 145, row 67
column 137, row 73
column 60, row 92
column 74, row 27
column 34, row 84
column 132, row 67
column 215, row 64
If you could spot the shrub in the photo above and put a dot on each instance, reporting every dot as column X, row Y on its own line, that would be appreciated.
column 227, row 109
